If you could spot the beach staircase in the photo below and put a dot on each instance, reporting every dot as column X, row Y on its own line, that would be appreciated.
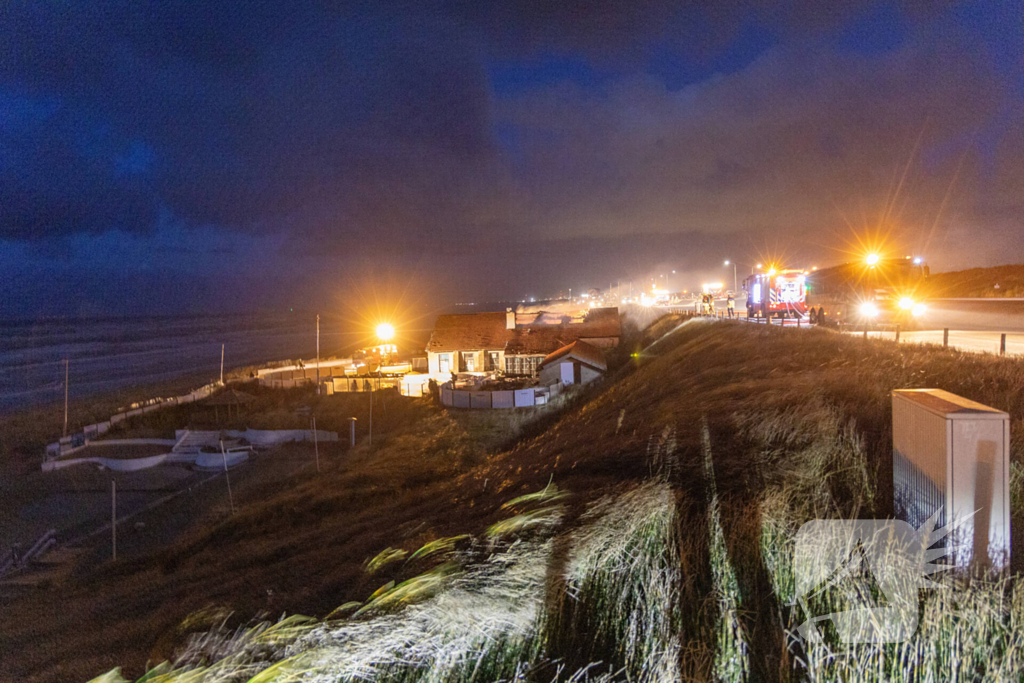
column 43, row 563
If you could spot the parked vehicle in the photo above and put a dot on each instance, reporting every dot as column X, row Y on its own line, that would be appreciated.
column 776, row 294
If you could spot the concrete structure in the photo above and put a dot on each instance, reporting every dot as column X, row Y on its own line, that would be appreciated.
column 514, row 343
column 951, row 455
column 576, row 363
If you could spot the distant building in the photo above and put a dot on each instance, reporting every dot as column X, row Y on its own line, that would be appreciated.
column 576, row 363
column 514, row 343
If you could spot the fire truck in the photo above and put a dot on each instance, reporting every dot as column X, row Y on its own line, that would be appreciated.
column 776, row 294
column 878, row 291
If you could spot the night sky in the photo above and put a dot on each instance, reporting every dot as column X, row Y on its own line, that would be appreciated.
column 166, row 157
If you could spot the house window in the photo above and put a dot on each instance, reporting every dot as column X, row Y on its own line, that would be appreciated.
column 522, row 365
column 444, row 363
column 470, row 362
column 492, row 361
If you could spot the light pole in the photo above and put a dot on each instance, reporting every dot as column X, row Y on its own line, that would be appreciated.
column 385, row 333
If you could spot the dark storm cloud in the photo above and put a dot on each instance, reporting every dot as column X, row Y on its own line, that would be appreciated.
column 250, row 111
column 458, row 135
column 799, row 140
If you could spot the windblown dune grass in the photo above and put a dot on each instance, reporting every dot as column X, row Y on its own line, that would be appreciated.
column 646, row 533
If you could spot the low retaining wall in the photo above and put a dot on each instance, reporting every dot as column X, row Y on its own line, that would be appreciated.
column 262, row 437
column 258, row 437
column 122, row 465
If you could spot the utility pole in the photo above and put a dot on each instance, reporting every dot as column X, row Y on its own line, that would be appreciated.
column 222, row 364
column 316, row 447
column 65, row 397
column 113, row 517
column 318, row 362
column 369, row 433
column 231, row 498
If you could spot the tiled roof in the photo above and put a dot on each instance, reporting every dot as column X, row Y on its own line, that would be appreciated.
column 600, row 322
column 581, row 351
column 469, row 332
column 480, row 331
column 540, row 338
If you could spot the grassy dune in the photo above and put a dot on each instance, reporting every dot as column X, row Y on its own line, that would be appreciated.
column 980, row 282
column 643, row 533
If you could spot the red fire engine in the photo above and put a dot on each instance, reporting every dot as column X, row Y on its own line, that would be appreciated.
column 776, row 294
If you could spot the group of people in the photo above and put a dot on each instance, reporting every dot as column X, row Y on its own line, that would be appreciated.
column 705, row 305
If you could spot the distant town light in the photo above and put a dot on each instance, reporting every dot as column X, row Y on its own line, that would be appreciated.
column 759, row 266
column 918, row 260
column 385, row 332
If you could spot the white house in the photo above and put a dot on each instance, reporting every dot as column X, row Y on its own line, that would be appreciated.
column 482, row 343
column 576, row 363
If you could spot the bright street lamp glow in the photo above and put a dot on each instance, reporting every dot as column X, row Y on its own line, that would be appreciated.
column 759, row 265
column 726, row 263
column 918, row 260
column 906, row 303
column 872, row 259
column 918, row 310
column 771, row 271
column 385, row 332
column 869, row 310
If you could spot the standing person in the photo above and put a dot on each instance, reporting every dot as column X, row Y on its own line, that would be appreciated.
column 730, row 305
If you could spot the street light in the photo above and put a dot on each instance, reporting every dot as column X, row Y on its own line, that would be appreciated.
column 385, row 332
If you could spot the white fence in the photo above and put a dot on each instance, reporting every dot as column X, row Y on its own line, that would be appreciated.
column 519, row 398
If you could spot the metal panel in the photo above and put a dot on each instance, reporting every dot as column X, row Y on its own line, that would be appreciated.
column 480, row 399
column 524, row 398
column 460, row 399
column 503, row 399
column 981, row 487
column 951, row 455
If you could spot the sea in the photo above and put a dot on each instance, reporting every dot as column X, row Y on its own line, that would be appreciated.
column 108, row 354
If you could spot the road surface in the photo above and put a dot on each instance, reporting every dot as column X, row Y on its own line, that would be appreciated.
column 964, row 340
column 994, row 315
